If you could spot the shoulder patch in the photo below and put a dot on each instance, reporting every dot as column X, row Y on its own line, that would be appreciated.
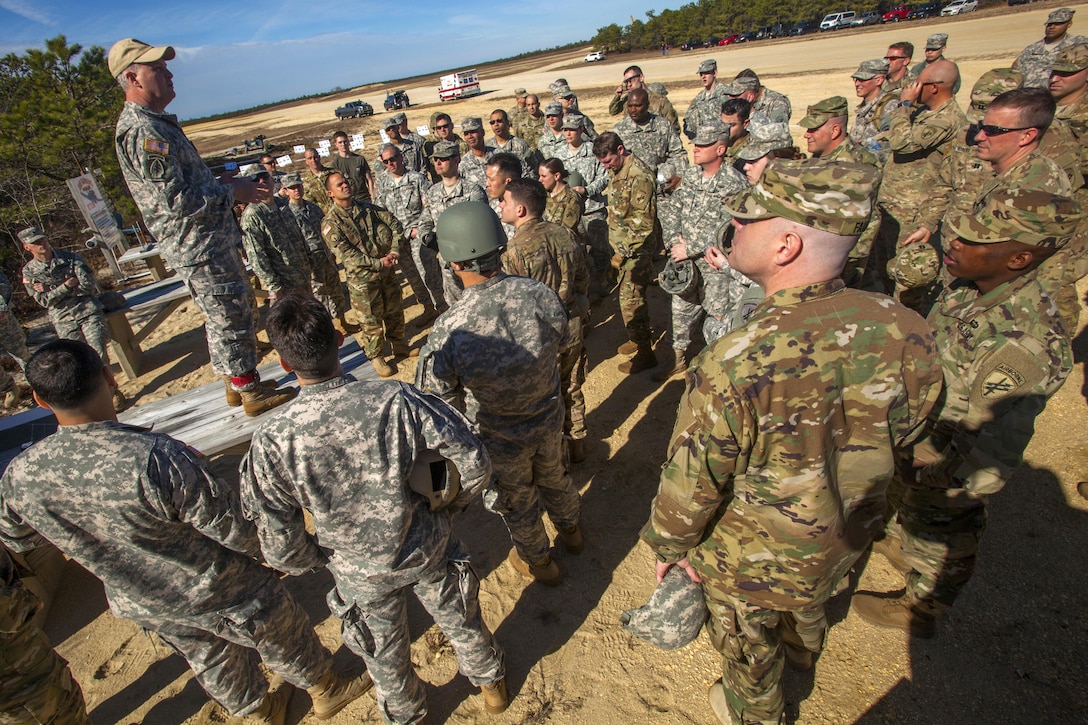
column 326, row 229
column 156, row 146
column 1009, row 370
column 1001, row 381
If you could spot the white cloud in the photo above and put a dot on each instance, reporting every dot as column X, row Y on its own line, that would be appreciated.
column 30, row 11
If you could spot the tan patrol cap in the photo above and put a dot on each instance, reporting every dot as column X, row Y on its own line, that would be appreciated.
column 822, row 112
column 1034, row 217
column 1073, row 59
column 128, row 51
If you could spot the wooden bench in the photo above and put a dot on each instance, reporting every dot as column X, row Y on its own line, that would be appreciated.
column 161, row 298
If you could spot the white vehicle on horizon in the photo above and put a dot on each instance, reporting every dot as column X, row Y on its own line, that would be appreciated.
column 594, row 56
column 958, row 7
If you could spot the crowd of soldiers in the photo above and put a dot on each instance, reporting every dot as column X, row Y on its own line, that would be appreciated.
column 822, row 414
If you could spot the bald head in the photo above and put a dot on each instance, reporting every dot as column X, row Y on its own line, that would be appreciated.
column 639, row 94
column 944, row 75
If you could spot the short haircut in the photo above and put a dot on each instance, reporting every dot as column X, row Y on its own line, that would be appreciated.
column 265, row 159
column 65, row 373
column 385, row 147
column 300, row 328
column 1034, row 106
column 608, row 142
column 328, row 178
column 907, row 48
column 739, row 107
column 501, row 113
column 634, row 68
column 529, row 193
column 339, row 134
column 442, row 117
column 507, row 164
column 555, row 166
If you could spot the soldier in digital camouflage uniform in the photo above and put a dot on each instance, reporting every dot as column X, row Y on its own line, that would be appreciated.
column 345, row 453
column 934, row 52
column 825, row 133
column 325, row 274
column 407, row 133
column 507, row 143
column 706, row 107
column 781, row 454
column 771, row 104
column 189, row 212
column 569, row 100
column 13, row 343
column 871, row 121
column 1036, row 60
column 366, row 239
column 275, row 246
column 168, row 539
column 474, row 163
column 409, row 149
column 632, row 229
column 659, row 104
column 653, row 140
column 1004, row 352
column 441, row 130
column 36, row 685
column 551, row 254
column 552, row 141
column 692, row 218
column 494, row 355
column 578, row 156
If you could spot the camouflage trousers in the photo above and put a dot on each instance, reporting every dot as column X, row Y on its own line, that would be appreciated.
column 429, row 264
column 751, row 641
column 415, row 273
column 378, row 632
column 221, row 291
column 634, row 277
column 89, row 328
column 594, row 230
column 13, row 341
column 687, row 311
column 36, row 685
column 325, row 282
column 225, row 648
column 875, row 274
column 380, row 310
column 533, row 475
column 572, row 375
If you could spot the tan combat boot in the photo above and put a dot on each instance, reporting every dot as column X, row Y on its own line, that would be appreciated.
column 273, row 709
column 895, row 613
column 261, row 399
column 384, row 369
column 335, row 692
column 891, row 548
column 546, row 572
column 644, row 359
column 495, row 698
column 627, row 348
column 347, row 328
column 674, row 366
column 234, row 398
column 719, row 704
column 572, row 539
column 401, row 350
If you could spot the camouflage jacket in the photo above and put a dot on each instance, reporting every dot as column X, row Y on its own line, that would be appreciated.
column 1034, row 171
column 62, row 301
column 779, row 464
column 440, row 197
column 412, row 153
column 659, row 106
column 773, row 105
column 655, row 143
column 919, row 139
column 550, row 254
column 361, row 236
column 695, row 211
column 1035, row 60
column 185, row 208
column 551, row 145
column 474, row 168
column 1003, row 354
column 564, row 208
column 736, row 146
column 632, row 208
column 705, row 109
column 529, row 128
column 308, row 216
column 275, row 247
column 314, row 190
column 583, row 161
column 495, row 355
column 142, row 513
column 1076, row 116
column 852, row 152
column 520, row 148
column 404, row 197
column 871, row 124
column 343, row 451
column 355, row 169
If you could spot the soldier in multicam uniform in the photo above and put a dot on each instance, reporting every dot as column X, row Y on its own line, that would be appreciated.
column 531, row 123
column 474, row 164
column 501, row 170
column 736, row 113
column 653, row 140
column 494, row 354
column 692, row 219
column 771, row 104
column 564, row 206
column 506, row 143
column 314, row 178
column 919, row 137
column 275, row 246
column 781, row 455
column 578, row 156
column 409, row 149
column 551, row 254
column 632, row 229
column 898, row 56
column 325, row 275
column 825, row 134
column 401, row 191
column 1036, row 60
column 870, row 119
column 65, row 286
column 518, row 111
column 36, row 685
column 659, row 104
column 12, row 346
column 706, row 107
column 353, row 166
column 141, row 512
column 1004, row 352
column 346, row 453
column 366, row 239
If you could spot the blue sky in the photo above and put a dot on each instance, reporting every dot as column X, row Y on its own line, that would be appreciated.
column 238, row 54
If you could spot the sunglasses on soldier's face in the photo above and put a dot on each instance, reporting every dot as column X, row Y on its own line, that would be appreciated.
column 443, row 127
column 991, row 130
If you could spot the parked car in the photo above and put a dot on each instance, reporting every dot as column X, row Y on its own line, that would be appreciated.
column 729, row 39
column 870, row 17
column 594, row 56
column 805, row 27
column 931, row 10
column 958, row 7
column 1018, row 2
column 771, row 31
column 834, row 21
column 747, row 37
column 397, row 100
column 899, row 12
column 691, row 45
column 354, row 109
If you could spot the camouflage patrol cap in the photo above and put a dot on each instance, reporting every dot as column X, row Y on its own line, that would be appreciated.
column 400, row 118
column 1028, row 216
column 833, row 196
column 989, row 86
column 658, row 88
column 390, row 122
column 1072, row 59
column 822, row 112
column 290, row 181
column 555, row 85
column 937, row 40
column 711, row 134
column 128, row 51
column 1061, row 15
column 563, row 92
column 555, row 108
column 472, row 123
column 915, row 265
column 571, row 123
column 673, row 615
column 870, row 69
column 741, row 85
column 520, row 93
column 708, row 66
column 31, row 235
column 445, row 150
column 764, row 136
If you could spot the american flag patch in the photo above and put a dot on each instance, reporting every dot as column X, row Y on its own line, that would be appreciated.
column 156, row 146
column 326, row 229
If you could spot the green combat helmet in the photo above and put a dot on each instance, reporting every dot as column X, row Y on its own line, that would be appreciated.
column 469, row 230
column 678, row 278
